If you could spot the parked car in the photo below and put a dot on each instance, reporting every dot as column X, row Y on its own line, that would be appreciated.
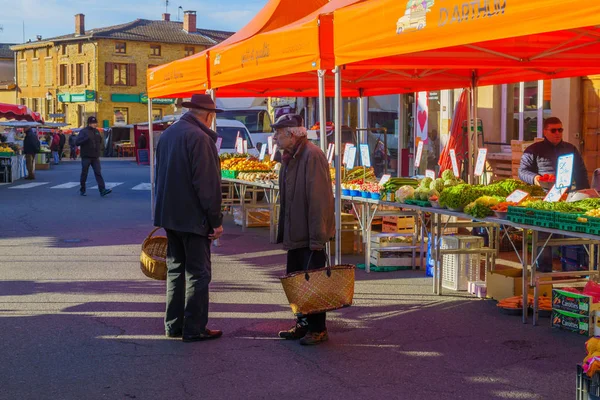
column 229, row 130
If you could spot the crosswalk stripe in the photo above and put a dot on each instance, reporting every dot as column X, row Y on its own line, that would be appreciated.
column 142, row 186
column 29, row 185
column 110, row 185
column 68, row 185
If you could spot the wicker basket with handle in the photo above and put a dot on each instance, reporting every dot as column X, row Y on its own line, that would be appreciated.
column 319, row 290
column 153, row 259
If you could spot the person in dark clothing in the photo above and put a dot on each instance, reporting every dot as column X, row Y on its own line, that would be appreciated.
column 73, row 146
column 61, row 145
column 142, row 142
column 306, row 221
column 31, row 146
column 541, row 158
column 90, row 141
column 188, row 207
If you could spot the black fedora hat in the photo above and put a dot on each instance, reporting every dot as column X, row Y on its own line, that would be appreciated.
column 201, row 102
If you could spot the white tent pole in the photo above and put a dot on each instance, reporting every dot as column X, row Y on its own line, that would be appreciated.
column 363, row 117
column 469, row 161
column 476, row 131
column 401, row 123
column 322, row 116
column 338, row 166
column 151, row 155
column 214, row 98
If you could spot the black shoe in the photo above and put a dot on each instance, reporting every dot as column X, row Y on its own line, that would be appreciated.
column 295, row 333
column 82, row 193
column 207, row 335
column 104, row 192
column 174, row 334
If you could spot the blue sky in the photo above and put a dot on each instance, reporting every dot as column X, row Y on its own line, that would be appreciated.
column 56, row 17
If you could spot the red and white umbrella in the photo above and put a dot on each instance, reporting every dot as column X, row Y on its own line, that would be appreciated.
column 19, row 113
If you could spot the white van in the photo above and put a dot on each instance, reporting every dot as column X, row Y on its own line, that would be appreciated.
column 229, row 130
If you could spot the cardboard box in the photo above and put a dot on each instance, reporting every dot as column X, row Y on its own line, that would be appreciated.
column 574, row 303
column 582, row 325
column 508, row 282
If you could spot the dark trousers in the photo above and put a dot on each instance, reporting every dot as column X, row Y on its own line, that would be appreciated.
column 85, row 166
column 73, row 152
column 296, row 261
column 188, row 276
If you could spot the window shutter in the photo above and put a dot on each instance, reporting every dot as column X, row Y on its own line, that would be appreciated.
column 86, row 77
column 108, row 74
column 132, row 70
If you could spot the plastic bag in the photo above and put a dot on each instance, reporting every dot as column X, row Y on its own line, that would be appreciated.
column 592, row 289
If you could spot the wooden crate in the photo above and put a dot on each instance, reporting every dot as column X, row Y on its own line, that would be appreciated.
column 381, row 258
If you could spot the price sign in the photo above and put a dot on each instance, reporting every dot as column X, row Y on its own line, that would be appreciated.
column 219, row 143
column 245, row 142
column 419, row 154
column 263, row 151
column 330, row 153
column 555, row 194
column 480, row 164
column 564, row 171
column 365, row 155
column 347, row 147
column 429, row 173
column 270, row 144
column 454, row 162
column 385, row 179
column 517, row 196
column 351, row 157
column 239, row 145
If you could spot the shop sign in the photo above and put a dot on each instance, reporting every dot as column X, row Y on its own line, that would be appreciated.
column 454, row 163
column 143, row 98
column 384, row 179
column 564, row 171
column 429, row 173
column 88, row 95
column 419, row 154
column 480, row 164
column 422, row 115
column 555, row 194
column 517, row 196
column 351, row 157
column 263, row 152
column 365, row 156
column 120, row 117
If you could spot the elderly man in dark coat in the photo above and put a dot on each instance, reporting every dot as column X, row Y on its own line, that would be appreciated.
column 306, row 222
column 188, row 207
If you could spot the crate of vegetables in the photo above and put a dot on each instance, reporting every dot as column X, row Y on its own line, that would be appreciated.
column 530, row 216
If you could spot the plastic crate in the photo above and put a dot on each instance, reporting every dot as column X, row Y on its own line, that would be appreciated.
column 459, row 269
column 593, row 225
column 569, row 222
column 530, row 216
column 587, row 388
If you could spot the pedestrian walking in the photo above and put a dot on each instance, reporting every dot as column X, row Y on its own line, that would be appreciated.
column 142, row 142
column 188, row 207
column 61, row 145
column 306, row 221
column 31, row 146
column 90, row 141
column 54, row 147
column 73, row 146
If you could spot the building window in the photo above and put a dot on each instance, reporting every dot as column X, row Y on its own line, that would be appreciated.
column 157, row 114
column 48, row 108
column 121, row 116
column 80, row 74
column 63, row 49
column 23, row 101
column 190, row 51
column 35, row 74
column 120, row 74
column 47, row 51
column 48, row 73
column 527, row 104
column 35, row 53
column 23, row 75
column 121, row 47
column 22, row 54
column 89, row 73
column 35, row 105
column 155, row 50
column 80, row 48
column 64, row 74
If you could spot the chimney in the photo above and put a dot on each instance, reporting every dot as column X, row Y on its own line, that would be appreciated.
column 189, row 21
column 166, row 17
column 79, row 25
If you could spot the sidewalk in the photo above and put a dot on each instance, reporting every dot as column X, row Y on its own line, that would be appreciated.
column 81, row 321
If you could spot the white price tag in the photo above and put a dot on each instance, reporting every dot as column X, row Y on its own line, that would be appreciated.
column 454, row 163
column 219, row 143
column 419, row 154
column 385, row 179
column 480, row 165
column 365, row 155
column 517, row 196
column 270, row 144
column 351, row 157
column 564, row 171
column 330, row 153
column 239, row 145
column 245, row 142
column 429, row 173
column 555, row 194
column 263, row 151
column 347, row 147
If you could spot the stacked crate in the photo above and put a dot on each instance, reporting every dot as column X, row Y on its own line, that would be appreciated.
column 517, row 148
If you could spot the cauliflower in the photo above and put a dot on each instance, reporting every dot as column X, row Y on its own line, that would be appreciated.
column 425, row 183
column 437, row 184
column 405, row 193
column 448, row 175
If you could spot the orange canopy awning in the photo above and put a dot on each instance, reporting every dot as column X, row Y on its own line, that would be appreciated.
column 184, row 77
column 392, row 46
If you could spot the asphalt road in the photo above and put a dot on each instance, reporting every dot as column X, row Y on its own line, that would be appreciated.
column 80, row 321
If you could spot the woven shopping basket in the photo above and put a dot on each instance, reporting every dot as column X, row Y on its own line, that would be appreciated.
column 319, row 290
column 153, row 260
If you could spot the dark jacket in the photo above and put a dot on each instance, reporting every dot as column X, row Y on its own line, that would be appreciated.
column 62, row 140
column 307, row 210
column 90, row 141
column 188, row 178
column 142, row 143
column 31, row 143
column 542, row 157
column 72, row 141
